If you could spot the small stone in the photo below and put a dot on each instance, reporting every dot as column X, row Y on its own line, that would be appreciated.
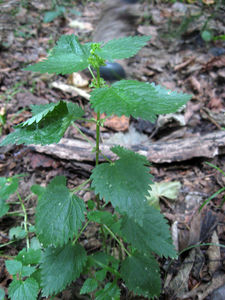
column 112, row 71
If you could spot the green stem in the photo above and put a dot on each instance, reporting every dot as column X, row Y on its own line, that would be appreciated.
column 80, row 187
column 91, row 143
column 83, row 135
column 97, row 124
column 200, row 245
column 92, row 74
column 6, row 244
column 76, row 239
column 25, row 220
column 97, row 138
column 118, row 241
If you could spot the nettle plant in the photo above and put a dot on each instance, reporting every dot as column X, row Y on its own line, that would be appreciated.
column 136, row 230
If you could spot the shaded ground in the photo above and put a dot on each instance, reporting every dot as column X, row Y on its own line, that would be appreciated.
column 177, row 58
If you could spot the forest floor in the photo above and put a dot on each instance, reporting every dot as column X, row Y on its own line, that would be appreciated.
column 177, row 58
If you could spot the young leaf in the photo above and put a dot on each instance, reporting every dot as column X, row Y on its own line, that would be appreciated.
column 47, row 130
column 59, row 214
column 35, row 244
column 66, row 57
column 23, row 290
column 17, row 233
column 8, row 186
column 110, row 292
column 13, row 266
column 102, row 217
column 60, row 266
column 123, row 47
column 104, row 261
column 90, row 285
column 101, row 274
column 29, row 256
column 51, row 15
column 141, row 275
column 124, row 183
column 152, row 235
column 27, row 271
column 138, row 99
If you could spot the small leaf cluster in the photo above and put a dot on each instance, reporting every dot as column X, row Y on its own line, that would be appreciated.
column 132, row 233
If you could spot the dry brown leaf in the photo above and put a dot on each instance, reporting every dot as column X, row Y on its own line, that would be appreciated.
column 117, row 123
column 213, row 253
column 218, row 62
column 195, row 84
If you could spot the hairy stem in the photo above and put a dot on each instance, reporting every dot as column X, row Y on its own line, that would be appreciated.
column 25, row 220
column 80, row 187
column 83, row 228
column 98, row 123
column 118, row 241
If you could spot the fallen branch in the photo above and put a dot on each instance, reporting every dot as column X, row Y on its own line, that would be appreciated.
column 209, row 146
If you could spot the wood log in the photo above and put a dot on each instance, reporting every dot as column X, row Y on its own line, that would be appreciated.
column 208, row 146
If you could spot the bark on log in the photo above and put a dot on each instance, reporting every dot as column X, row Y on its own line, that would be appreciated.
column 209, row 146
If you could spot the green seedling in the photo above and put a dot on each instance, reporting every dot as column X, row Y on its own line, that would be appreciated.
column 5, row 98
column 24, row 267
column 133, row 234
column 58, row 10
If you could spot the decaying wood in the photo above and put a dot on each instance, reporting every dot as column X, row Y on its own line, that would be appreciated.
column 70, row 89
column 209, row 146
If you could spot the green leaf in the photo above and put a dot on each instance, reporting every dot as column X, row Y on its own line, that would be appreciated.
column 41, row 111
column 60, row 266
column 37, row 276
column 29, row 256
column 17, row 233
column 50, row 129
column 101, row 274
column 110, row 292
column 106, row 262
column 141, row 275
column 169, row 190
column 152, row 235
column 59, row 214
column 102, row 217
column 23, row 290
column 8, row 186
column 123, row 47
column 137, row 99
column 27, row 271
column 124, row 183
column 4, row 207
column 35, row 244
column 67, row 56
column 89, row 286
column 37, row 190
column 51, row 15
column 13, row 266
column 2, row 294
